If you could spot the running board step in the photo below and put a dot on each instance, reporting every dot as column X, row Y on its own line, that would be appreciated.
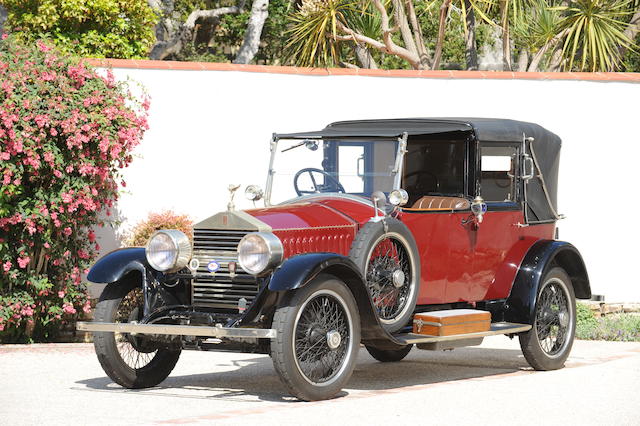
column 177, row 330
column 496, row 329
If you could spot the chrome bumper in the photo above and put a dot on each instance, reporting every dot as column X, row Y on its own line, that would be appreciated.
column 177, row 330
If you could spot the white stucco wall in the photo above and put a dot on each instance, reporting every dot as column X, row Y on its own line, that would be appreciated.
column 211, row 128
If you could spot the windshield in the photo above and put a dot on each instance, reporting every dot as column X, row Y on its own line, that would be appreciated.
column 357, row 167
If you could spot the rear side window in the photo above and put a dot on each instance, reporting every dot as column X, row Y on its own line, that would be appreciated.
column 498, row 173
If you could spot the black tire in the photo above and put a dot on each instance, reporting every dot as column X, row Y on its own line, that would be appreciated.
column 379, row 279
column 153, row 363
column 389, row 355
column 548, row 344
column 301, row 321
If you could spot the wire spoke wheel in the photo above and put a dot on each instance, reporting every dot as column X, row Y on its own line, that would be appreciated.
column 387, row 255
column 388, row 275
column 132, row 349
column 132, row 360
column 317, row 340
column 552, row 318
column 322, row 337
column 548, row 344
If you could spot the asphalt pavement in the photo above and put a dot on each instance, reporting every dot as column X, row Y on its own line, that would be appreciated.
column 489, row 384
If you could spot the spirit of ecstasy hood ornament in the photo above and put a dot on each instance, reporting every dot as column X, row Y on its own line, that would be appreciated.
column 232, row 192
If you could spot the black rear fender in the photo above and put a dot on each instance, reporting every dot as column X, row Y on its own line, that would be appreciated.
column 542, row 256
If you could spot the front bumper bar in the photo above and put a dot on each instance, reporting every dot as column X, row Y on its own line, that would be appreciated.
column 177, row 330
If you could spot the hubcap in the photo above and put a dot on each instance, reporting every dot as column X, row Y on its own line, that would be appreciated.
column 333, row 339
column 398, row 278
column 563, row 318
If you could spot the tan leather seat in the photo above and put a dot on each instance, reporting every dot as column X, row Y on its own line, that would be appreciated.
column 441, row 203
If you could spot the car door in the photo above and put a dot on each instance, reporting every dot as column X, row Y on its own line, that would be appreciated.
column 501, row 189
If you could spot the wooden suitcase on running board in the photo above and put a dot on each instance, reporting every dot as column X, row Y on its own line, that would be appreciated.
column 451, row 322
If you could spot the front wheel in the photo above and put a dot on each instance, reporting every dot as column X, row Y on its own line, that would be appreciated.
column 318, row 336
column 547, row 345
column 131, row 361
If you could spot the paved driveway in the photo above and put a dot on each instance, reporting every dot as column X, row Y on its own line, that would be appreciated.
column 490, row 384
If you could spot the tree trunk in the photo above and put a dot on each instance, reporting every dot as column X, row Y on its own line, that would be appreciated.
column 523, row 60
column 444, row 12
column 506, row 38
column 174, row 45
column 631, row 32
column 251, row 43
column 423, row 53
column 364, row 57
column 471, row 51
column 535, row 61
column 401, row 21
column 555, row 64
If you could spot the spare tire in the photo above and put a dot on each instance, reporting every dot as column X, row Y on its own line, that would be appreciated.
column 387, row 254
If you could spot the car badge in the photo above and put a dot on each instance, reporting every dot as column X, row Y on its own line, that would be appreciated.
column 213, row 266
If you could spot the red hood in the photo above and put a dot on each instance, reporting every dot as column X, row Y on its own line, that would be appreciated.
column 321, row 211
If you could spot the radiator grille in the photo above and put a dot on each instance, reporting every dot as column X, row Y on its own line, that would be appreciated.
column 220, row 290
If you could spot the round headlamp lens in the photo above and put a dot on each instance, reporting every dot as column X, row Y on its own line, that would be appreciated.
column 258, row 251
column 398, row 197
column 168, row 250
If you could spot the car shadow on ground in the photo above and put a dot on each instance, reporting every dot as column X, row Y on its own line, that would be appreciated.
column 255, row 379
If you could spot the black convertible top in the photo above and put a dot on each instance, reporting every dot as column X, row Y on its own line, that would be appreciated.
column 485, row 129
column 545, row 147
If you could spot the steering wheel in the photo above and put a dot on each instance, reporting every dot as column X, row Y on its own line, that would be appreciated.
column 332, row 182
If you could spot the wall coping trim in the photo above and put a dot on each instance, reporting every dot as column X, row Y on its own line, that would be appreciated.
column 271, row 69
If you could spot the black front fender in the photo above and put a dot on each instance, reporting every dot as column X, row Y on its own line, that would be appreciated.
column 115, row 265
column 544, row 254
column 299, row 270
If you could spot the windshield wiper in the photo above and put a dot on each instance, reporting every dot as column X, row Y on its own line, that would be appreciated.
column 310, row 144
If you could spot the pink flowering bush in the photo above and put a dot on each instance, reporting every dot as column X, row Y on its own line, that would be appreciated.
column 65, row 132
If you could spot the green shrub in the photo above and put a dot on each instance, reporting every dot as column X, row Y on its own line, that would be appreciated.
column 66, row 131
column 156, row 221
column 584, row 316
column 619, row 327
column 94, row 28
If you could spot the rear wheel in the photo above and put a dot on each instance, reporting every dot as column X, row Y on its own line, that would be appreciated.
column 132, row 361
column 389, row 355
column 318, row 336
column 548, row 344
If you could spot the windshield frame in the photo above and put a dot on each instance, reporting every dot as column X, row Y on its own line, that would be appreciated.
column 396, row 172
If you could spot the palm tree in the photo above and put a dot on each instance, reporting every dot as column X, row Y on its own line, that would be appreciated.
column 595, row 32
column 319, row 27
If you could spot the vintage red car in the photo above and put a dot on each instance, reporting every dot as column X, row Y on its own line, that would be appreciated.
column 371, row 232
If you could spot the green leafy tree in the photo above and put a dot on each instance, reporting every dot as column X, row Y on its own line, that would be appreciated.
column 94, row 28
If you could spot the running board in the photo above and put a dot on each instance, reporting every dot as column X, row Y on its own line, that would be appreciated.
column 177, row 330
column 496, row 329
